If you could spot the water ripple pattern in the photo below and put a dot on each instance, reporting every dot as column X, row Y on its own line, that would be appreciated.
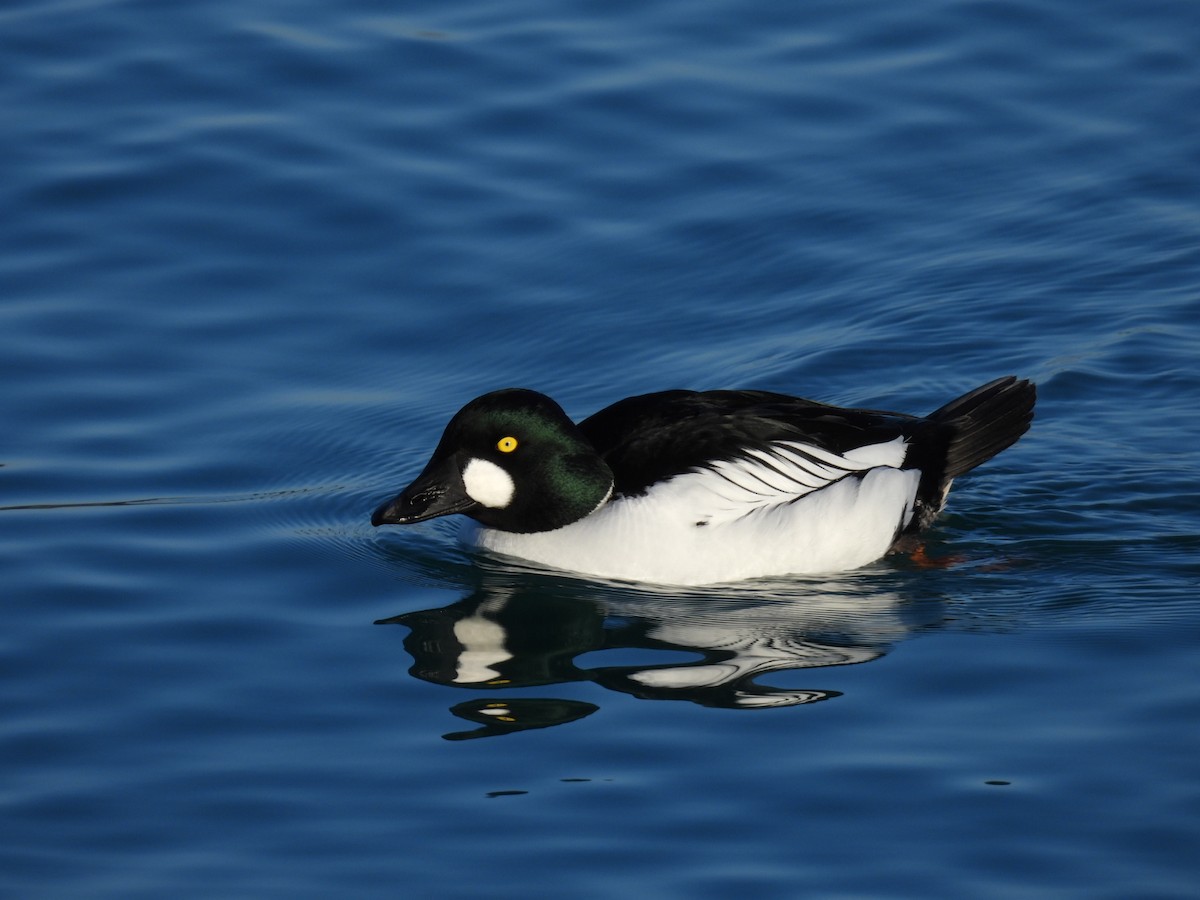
column 254, row 255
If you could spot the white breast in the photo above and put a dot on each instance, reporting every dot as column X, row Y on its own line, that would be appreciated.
column 791, row 509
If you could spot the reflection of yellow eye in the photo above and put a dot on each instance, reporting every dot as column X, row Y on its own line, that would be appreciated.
column 507, row 444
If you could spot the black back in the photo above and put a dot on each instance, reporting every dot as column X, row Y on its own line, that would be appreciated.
column 651, row 437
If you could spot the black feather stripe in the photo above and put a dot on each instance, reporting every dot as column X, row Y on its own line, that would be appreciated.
column 735, row 483
column 767, row 460
column 813, row 463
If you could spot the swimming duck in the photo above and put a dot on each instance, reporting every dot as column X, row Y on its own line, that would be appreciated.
column 688, row 488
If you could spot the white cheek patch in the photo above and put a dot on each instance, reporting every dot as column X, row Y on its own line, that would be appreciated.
column 488, row 484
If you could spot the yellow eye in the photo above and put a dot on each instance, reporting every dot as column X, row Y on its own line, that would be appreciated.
column 507, row 444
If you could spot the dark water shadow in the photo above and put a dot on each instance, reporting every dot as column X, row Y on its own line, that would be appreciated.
column 716, row 647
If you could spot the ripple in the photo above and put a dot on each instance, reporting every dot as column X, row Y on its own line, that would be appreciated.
column 255, row 257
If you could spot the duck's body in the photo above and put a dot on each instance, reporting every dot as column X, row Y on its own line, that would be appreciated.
column 681, row 487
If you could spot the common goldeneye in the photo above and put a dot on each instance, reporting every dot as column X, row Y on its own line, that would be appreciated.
column 688, row 488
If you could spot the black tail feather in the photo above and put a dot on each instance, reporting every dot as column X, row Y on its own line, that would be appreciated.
column 985, row 421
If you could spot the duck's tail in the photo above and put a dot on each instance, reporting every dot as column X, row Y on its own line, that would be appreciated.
column 985, row 421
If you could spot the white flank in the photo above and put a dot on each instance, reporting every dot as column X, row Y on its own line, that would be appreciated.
column 488, row 484
column 789, row 509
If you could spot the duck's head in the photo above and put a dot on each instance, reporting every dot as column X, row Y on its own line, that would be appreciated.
column 511, row 460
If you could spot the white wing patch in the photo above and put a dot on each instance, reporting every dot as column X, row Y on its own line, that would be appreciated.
column 780, row 474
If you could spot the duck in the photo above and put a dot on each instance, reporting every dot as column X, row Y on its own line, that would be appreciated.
column 684, row 487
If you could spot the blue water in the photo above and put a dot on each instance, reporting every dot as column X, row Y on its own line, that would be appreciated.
column 254, row 254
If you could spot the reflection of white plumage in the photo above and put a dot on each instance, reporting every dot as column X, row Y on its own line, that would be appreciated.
column 633, row 641
column 775, row 635
column 482, row 642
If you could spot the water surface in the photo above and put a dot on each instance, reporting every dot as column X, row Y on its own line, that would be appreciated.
column 256, row 254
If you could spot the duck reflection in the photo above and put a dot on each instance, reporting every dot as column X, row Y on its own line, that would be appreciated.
column 711, row 647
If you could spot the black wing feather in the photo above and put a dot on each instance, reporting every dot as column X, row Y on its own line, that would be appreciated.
column 652, row 437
